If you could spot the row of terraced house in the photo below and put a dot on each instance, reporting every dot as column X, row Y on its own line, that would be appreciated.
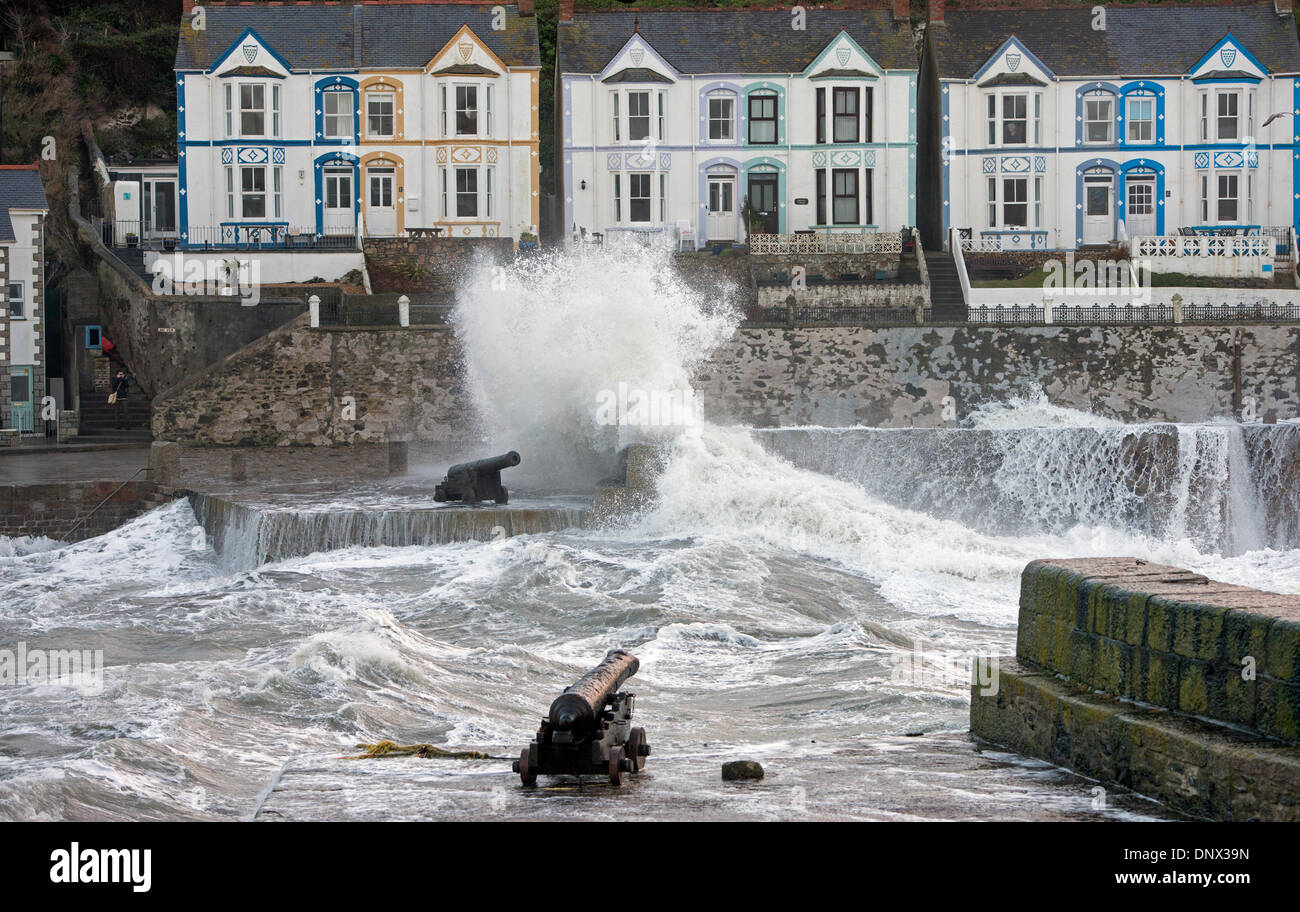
column 301, row 124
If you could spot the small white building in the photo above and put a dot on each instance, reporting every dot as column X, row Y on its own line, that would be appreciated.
column 23, row 209
column 668, row 120
column 1077, row 126
column 309, row 126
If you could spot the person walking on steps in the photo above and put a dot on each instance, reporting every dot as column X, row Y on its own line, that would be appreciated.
column 118, row 400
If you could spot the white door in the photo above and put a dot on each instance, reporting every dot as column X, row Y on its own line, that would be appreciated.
column 1140, row 207
column 1098, row 206
column 339, row 213
column 381, row 202
column 722, row 209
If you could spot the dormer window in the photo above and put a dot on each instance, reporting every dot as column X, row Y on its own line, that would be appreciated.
column 1098, row 117
column 247, row 110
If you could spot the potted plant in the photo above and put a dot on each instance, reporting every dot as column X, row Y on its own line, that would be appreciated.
column 132, row 239
column 527, row 241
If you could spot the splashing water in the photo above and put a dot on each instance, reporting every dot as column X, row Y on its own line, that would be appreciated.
column 551, row 338
column 769, row 592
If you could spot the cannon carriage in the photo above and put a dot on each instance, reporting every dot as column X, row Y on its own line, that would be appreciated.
column 589, row 731
column 471, row 482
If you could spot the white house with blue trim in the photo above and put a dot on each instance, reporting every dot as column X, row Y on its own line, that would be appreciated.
column 307, row 127
column 1088, row 127
column 667, row 121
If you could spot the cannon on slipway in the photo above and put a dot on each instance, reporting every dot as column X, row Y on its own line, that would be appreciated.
column 471, row 482
column 588, row 731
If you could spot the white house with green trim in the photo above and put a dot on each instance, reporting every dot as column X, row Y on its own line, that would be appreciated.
column 668, row 121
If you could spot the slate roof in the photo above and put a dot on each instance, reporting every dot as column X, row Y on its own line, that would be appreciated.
column 1137, row 41
column 356, row 36
column 731, row 40
column 20, row 188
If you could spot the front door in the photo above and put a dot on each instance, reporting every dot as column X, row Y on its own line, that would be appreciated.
column 1140, row 207
column 339, row 214
column 159, row 209
column 1098, row 206
column 20, row 391
column 722, row 209
column 762, row 197
column 381, row 206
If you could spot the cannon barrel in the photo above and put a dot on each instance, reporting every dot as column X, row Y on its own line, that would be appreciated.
column 491, row 464
column 579, row 707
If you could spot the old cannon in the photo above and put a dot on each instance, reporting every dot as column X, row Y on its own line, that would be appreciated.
column 588, row 731
column 478, row 480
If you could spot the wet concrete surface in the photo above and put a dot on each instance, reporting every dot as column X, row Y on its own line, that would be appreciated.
column 937, row 777
column 17, row 467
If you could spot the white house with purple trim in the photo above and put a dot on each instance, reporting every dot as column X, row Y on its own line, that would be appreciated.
column 668, row 121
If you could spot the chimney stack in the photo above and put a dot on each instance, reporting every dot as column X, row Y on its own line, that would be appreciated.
column 1283, row 7
column 187, row 7
column 902, row 9
column 526, row 8
column 566, row 11
column 936, row 12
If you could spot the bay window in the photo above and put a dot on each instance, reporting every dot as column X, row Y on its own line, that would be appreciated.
column 1011, row 204
column 638, row 208
column 1227, row 105
column 1009, row 119
column 1228, row 197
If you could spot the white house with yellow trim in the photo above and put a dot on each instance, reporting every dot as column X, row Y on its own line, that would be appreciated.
column 309, row 127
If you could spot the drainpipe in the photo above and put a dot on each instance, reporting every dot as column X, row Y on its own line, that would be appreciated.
column 595, row 190
column 510, row 171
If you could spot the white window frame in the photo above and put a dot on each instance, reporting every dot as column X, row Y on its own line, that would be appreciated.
column 21, row 300
column 1129, row 120
column 445, row 102
column 1105, row 100
column 996, row 120
column 997, row 202
column 230, row 110
column 466, row 88
column 633, row 178
column 338, row 96
column 647, row 116
column 230, row 191
column 252, row 110
column 459, row 194
column 1221, row 95
column 246, row 194
column 372, row 98
column 728, row 121
column 1219, row 199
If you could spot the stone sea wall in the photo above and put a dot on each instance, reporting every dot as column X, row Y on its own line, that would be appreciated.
column 289, row 387
column 1156, row 679
column 899, row 377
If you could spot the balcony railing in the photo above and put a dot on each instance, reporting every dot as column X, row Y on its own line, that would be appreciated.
column 814, row 243
column 1178, row 245
column 261, row 236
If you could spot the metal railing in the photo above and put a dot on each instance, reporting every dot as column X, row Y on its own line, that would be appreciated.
column 839, row 316
column 337, row 308
column 1097, row 314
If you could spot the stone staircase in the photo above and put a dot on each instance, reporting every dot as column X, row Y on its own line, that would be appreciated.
column 98, row 419
column 133, row 258
column 945, row 287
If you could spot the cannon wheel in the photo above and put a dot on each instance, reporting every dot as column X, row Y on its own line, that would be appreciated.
column 528, row 776
column 503, row 496
column 634, row 742
column 616, row 766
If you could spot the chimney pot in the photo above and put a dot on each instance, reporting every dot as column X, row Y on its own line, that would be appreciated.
column 902, row 9
column 936, row 12
column 526, row 8
column 566, row 11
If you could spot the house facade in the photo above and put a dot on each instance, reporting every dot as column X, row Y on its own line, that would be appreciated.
column 303, row 123
column 1071, row 127
column 668, row 121
column 23, row 209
